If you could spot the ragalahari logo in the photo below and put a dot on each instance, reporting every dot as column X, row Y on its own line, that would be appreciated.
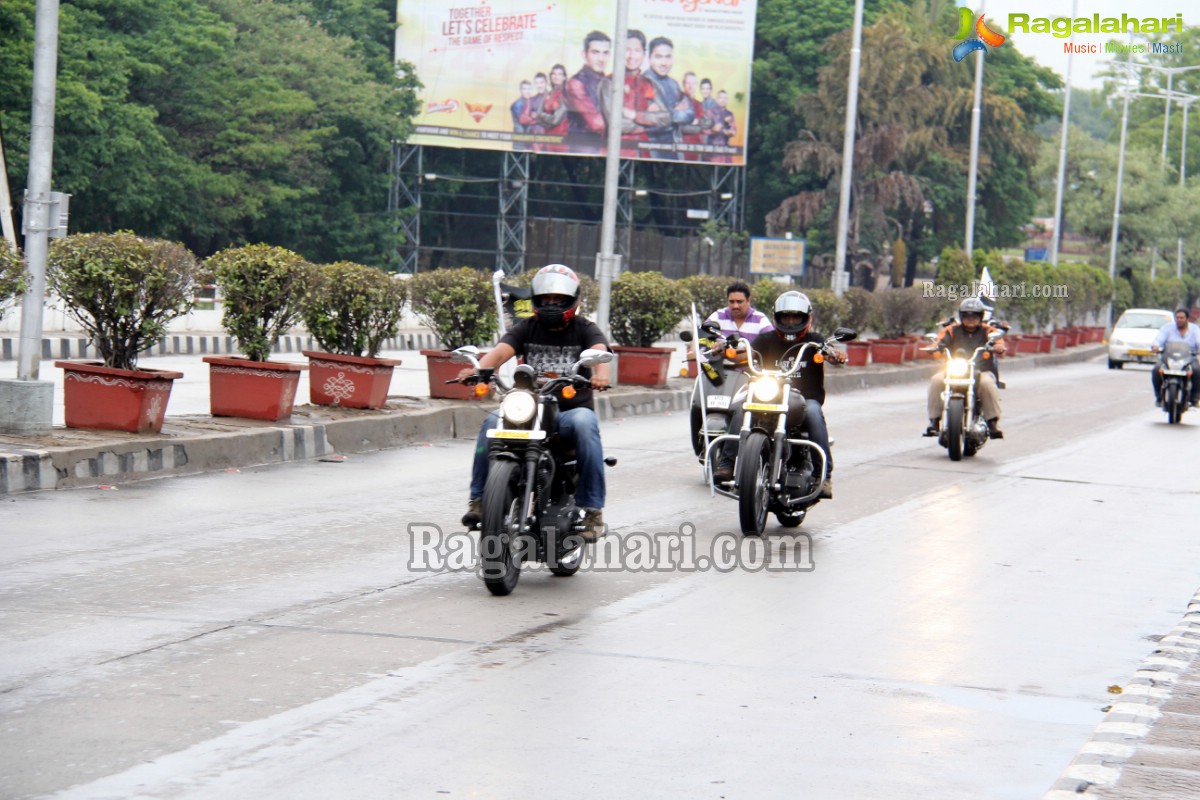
column 478, row 111
column 984, row 36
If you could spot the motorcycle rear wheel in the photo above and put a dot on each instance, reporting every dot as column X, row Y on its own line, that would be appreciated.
column 499, row 551
column 954, row 428
column 754, row 491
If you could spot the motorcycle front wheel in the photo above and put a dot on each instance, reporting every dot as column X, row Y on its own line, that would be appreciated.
column 954, row 428
column 754, row 484
column 499, row 550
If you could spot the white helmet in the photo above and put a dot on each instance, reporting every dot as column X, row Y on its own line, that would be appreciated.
column 796, row 308
column 555, row 279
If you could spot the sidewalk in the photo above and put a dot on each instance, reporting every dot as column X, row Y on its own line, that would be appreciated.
column 1148, row 745
column 192, row 441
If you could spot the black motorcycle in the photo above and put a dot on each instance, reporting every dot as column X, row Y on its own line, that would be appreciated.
column 778, row 470
column 719, row 386
column 1175, row 367
column 963, row 430
column 528, row 508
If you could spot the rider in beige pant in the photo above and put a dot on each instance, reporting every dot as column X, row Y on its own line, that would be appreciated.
column 989, row 395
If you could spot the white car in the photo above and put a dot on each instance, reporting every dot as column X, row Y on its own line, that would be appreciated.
column 1133, row 334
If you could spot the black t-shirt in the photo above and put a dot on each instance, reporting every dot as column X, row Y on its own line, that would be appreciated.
column 956, row 337
column 775, row 353
column 556, row 352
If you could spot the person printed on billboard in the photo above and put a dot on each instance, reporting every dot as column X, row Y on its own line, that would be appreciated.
column 639, row 94
column 724, row 127
column 552, row 117
column 533, row 110
column 693, row 134
column 585, row 128
column 667, row 95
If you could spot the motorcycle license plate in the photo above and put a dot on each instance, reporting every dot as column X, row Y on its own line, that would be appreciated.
column 718, row 401
column 776, row 407
column 495, row 434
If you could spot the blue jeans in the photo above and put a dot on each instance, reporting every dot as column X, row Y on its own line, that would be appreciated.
column 579, row 427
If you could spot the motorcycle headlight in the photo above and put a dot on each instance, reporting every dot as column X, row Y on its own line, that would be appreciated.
column 765, row 390
column 518, row 408
column 957, row 368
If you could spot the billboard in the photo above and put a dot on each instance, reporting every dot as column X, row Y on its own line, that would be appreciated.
column 519, row 76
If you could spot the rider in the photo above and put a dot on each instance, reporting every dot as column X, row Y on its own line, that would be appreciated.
column 551, row 341
column 1178, row 331
column 777, row 348
column 968, row 334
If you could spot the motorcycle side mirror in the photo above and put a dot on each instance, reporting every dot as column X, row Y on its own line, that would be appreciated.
column 466, row 354
column 711, row 328
column 931, row 337
column 845, row 334
column 994, row 335
column 686, row 336
column 592, row 356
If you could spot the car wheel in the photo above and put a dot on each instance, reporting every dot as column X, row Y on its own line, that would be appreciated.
column 1115, row 364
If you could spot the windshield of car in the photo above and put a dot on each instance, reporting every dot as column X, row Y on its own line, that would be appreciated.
column 1143, row 319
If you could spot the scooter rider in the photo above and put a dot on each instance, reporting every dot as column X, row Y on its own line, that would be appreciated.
column 777, row 348
column 969, row 333
column 1181, row 330
column 551, row 342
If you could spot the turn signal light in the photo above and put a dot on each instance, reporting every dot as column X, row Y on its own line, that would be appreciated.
column 568, row 392
column 730, row 353
column 818, row 359
column 481, row 390
column 683, row 372
column 987, row 356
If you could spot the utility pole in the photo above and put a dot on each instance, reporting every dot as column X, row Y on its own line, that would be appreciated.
column 608, row 263
column 841, row 274
column 973, row 170
column 27, row 403
column 1062, row 151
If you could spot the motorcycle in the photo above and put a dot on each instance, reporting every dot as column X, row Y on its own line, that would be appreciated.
column 777, row 470
column 964, row 431
column 1175, row 367
column 716, row 390
column 528, row 504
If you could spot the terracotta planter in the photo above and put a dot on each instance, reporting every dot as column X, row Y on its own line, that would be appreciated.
column 888, row 351
column 911, row 348
column 239, row 387
column 348, row 381
column 690, row 370
column 96, row 396
column 858, row 353
column 1046, row 343
column 442, row 369
column 643, row 366
column 1029, row 343
column 1061, row 339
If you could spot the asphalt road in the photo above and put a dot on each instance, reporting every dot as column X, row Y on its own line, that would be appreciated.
column 266, row 634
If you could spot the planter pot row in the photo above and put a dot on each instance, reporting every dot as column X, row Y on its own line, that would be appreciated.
column 99, row 397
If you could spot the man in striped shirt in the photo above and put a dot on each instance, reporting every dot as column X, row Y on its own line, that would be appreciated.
column 739, row 316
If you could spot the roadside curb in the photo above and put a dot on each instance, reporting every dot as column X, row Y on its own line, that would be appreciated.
column 200, row 443
column 1145, row 746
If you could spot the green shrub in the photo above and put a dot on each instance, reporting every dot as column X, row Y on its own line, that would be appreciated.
column 458, row 305
column 351, row 309
column 644, row 306
column 955, row 268
column 12, row 275
column 263, row 287
column 707, row 292
column 122, row 289
column 860, row 308
column 829, row 310
column 764, row 293
column 899, row 312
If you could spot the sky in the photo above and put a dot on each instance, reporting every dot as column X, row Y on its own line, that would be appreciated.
column 1048, row 50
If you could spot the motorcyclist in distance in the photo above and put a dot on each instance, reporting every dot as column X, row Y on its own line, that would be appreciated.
column 969, row 333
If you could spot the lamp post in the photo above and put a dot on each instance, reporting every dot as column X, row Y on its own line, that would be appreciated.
column 841, row 276
column 973, row 169
column 1116, row 225
column 1062, row 151
column 1186, row 100
column 608, row 263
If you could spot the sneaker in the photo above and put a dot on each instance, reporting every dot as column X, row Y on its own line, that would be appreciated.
column 723, row 473
column 827, row 489
column 474, row 514
column 994, row 428
column 593, row 525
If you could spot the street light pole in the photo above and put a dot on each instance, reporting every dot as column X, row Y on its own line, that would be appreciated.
column 841, row 275
column 973, row 170
column 608, row 264
column 1062, row 151
column 1187, row 104
column 1116, row 224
